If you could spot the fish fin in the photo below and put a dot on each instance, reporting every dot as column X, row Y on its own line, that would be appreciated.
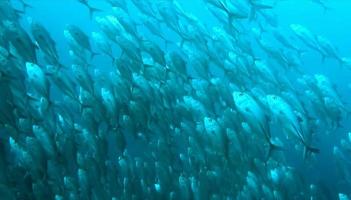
column 309, row 151
column 10, row 55
column 342, row 62
column 222, row 6
column 112, row 58
column 83, row 106
column 49, row 74
column 122, row 54
column 61, row 66
column 19, row 12
column 31, row 97
column 25, row 5
column 230, row 20
column 255, row 9
column 182, row 42
column 36, row 45
column 252, row 15
column 313, row 149
column 93, row 54
column 51, row 104
column 272, row 149
column 93, row 10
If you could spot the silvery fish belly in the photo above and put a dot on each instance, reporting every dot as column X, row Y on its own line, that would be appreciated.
column 175, row 99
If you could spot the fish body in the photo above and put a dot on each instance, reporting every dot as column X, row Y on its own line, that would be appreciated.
column 45, row 42
column 288, row 120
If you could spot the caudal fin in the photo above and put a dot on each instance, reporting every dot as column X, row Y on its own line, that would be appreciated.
column 93, row 10
column 308, row 151
column 25, row 5
column 93, row 54
column 342, row 62
column 272, row 149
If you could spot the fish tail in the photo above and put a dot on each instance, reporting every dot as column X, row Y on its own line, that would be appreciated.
column 308, row 150
column 113, row 59
column 272, row 149
column 93, row 54
column 25, row 5
column 182, row 42
column 93, row 10
column 51, row 104
column 341, row 62
column 231, row 27
column 82, row 106
column 19, row 13
column 252, row 15
column 61, row 66
column 313, row 149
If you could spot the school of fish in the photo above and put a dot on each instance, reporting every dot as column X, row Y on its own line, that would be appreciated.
column 184, row 111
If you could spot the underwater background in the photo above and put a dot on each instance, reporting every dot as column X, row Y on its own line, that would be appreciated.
column 250, row 117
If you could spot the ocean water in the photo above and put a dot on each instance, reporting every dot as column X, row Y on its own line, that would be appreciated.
column 157, row 159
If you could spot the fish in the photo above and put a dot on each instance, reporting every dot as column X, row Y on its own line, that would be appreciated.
column 8, row 12
column 78, row 40
column 154, row 51
column 329, row 49
column 20, row 44
column 286, row 41
column 102, row 42
column 257, row 5
column 124, row 20
column 289, row 121
column 213, row 104
column 45, row 42
column 254, row 115
column 154, row 27
column 25, row 5
column 145, row 7
column 38, row 79
column 83, row 78
column 307, row 37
